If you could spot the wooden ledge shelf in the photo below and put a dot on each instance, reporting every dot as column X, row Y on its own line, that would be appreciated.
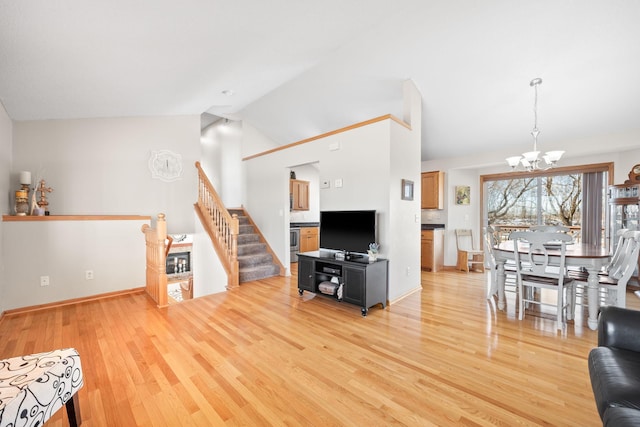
column 34, row 218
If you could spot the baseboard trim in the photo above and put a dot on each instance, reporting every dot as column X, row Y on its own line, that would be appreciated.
column 22, row 310
column 401, row 297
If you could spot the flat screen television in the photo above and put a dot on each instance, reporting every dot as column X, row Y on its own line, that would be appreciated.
column 349, row 231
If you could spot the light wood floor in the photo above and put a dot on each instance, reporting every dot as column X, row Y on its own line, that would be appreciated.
column 262, row 355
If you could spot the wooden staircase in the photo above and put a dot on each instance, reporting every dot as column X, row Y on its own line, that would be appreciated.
column 255, row 258
column 242, row 249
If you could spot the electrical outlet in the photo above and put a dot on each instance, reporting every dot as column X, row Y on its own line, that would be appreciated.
column 88, row 275
column 44, row 280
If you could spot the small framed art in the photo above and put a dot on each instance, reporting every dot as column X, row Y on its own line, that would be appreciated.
column 407, row 189
column 463, row 195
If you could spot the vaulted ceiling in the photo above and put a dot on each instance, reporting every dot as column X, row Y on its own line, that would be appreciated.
column 295, row 69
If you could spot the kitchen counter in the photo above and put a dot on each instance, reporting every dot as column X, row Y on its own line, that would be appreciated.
column 431, row 226
column 303, row 224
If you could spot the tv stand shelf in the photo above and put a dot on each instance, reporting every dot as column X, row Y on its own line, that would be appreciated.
column 363, row 283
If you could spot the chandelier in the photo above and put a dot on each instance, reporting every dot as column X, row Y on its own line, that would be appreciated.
column 531, row 160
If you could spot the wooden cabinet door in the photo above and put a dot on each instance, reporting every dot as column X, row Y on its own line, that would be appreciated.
column 299, row 194
column 427, row 251
column 309, row 239
column 303, row 196
column 432, row 250
column 432, row 190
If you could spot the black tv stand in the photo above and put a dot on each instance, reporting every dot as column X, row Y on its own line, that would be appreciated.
column 363, row 283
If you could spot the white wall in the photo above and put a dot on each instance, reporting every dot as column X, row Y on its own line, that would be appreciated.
column 221, row 148
column 96, row 167
column 100, row 166
column 404, row 218
column 461, row 216
column 6, row 138
column 64, row 250
column 362, row 162
column 255, row 141
column 209, row 276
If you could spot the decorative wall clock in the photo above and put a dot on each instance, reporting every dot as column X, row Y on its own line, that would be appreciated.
column 165, row 165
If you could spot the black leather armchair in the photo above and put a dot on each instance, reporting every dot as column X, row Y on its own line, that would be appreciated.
column 614, row 367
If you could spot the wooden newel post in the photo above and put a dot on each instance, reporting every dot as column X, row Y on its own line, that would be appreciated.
column 234, row 280
column 161, row 235
column 161, row 226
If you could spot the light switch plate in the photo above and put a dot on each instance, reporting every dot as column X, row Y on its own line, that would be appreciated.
column 325, row 183
column 339, row 183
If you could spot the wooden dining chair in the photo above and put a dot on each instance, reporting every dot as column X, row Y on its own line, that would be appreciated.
column 534, row 271
column 469, row 258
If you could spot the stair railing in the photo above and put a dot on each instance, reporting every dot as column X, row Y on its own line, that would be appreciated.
column 221, row 226
column 156, row 253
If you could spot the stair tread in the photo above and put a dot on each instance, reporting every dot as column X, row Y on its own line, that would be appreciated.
column 249, row 245
column 260, row 254
column 256, row 262
column 259, row 267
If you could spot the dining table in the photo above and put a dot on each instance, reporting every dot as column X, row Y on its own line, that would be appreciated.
column 590, row 257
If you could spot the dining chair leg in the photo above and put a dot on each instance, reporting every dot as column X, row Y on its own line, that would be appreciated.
column 560, row 309
column 520, row 302
column 572, row 302
column 463, row 261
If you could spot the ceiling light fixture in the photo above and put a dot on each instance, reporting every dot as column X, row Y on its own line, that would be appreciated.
column 530, row 160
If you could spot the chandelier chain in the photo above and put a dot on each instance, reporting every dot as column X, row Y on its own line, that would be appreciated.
column 535, row 107
column 531, row 160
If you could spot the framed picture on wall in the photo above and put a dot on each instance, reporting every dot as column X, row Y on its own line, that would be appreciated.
column 407, row 189
column 463, row 195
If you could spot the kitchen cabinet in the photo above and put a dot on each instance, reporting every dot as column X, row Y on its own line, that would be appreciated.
column 309, row 240
column 299, row 195
column 432, row 190
column 432, row 253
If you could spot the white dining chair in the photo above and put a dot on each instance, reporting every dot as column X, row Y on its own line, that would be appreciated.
column 550, row 228
column 534, row 270
column 614, row 282
column 490, row 242
column 618, row 254
column 581, row 275
column 490, row 260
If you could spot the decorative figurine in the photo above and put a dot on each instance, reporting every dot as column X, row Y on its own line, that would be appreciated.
column 43, row 189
